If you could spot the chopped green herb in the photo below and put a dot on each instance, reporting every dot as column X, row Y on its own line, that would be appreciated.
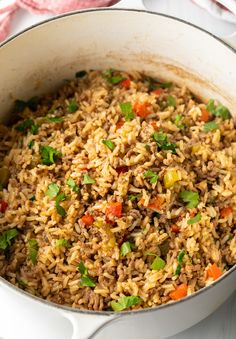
column 153, row 177
column 33, row 250
column 147, row 147
column 113, row 79
column 49, row 155
column 178, row 123
column 55, row 119
column 181, row 256
column 127, row 110
column 230, row 237
column 85, row 280
column 171, row 101
column 34, row 129
column 192, row 198
column 72, row 184
column 133, row 197
column 110, row 144
column 62, row 243
column 154, row 84
column 125, row 302
column 31, row 144
column 6, row 237
column 33, row 198
column 53, row 190
column 178, row 270
column 25, row 125
column 87, row 180
column 73, row 106
column 80, row 74
column 195, row 219
column 163, row 142
column 158, row 264
column 210, row 126
column 126, row 248
column 22, row 283
column 60, row 210
column 82, row 269
column 219, row 111
column 210, row 106
column 116, row 79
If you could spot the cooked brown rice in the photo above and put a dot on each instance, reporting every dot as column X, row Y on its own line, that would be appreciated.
column 128, row 187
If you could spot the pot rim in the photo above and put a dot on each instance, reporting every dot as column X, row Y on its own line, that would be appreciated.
column 133, row 312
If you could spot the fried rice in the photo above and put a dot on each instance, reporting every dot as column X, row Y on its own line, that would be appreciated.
column 118, row 192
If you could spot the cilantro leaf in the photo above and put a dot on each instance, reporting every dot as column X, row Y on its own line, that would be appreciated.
column 6, row 237
column 62, row 243
column 72, row 184
column 158, row 264
column 53, row 190
column 110, row 144
column 112, row 79
column 192, row 198
column 180, row 260
column 171, row 101
column 82, row 269
column 32, row 198
column 32, row 104
column 49, row 155
column 153, row 177
column 60, row 210
column 55, row 119
column 73, row 106
column 31, row 144
column 33, row 250
column 195, row 219
column 24, row 125
column 163, row 142
column 210, row 126
column 127, row 110
column 125, row 302
column 126, row 248
column 85, row 280
column 219, row 111
column 178, row 123
column 87, row 180
column 133, row 197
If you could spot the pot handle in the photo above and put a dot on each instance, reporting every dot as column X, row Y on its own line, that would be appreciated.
column 135, row 4
column 86, row 326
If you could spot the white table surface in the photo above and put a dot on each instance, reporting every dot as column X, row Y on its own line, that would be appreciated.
column 221, row 324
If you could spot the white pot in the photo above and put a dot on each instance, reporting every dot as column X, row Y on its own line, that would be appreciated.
column 37, row 60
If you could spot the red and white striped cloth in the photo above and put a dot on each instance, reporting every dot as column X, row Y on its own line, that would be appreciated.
column 8, row 9
column 223, row 9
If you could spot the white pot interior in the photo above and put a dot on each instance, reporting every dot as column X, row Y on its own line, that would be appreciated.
column 38, row 60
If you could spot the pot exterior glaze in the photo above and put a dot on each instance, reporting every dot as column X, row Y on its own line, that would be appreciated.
column 36, row 61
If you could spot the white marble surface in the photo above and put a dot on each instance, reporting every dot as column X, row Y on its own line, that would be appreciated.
column 221, row 324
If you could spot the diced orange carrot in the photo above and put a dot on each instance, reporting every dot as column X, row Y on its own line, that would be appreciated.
column 119, row 124
column 180, row 292
column 225, row 212
column 175, row 228
column 214, row 272
column 142, row 109
column 205, row 115
column 154, row 124
column 158, row 91
column 87, row 219
column 114, row 209
column 156, row 203
column 125, row 83
column 141, row 201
